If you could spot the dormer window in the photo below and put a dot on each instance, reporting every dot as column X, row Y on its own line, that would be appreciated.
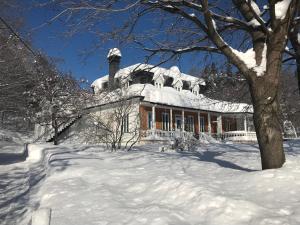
column 126, row 84
column 177, row 84
column 195, row 89
column 158, row 85
column 178, row 88
column 158, row 80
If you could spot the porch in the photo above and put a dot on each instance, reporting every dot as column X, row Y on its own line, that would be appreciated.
column 164, row 122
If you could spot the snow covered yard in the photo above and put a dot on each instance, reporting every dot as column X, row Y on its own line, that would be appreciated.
column 218, row 184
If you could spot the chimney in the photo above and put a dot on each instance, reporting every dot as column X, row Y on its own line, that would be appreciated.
column 114, row 58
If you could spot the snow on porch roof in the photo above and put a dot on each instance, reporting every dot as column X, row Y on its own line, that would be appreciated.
column 125, row 72
column 186, row 99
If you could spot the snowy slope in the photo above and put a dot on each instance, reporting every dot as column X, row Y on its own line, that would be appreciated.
column 218, row 184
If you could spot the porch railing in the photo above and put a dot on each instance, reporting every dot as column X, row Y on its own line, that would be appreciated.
column 238, row 136
column 229, row 136
column 166, row 134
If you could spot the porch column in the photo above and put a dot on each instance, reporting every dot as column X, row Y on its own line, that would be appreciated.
column 182, row 121
column 153, row 118
column 219, row 124
column 209, row 123
column 245, row 123
column 199, row 129
column 171, row 119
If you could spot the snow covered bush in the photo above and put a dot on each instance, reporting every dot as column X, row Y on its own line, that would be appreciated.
column 188, row 143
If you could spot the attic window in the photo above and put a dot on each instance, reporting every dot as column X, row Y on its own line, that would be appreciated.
column 195, row 92
column 126, row 84
column 178, row 88
column 158, row 84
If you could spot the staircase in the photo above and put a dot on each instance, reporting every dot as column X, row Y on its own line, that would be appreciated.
column 48, row 135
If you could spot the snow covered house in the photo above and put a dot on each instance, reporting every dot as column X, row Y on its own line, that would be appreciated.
column 165, row 103
column 169, row 103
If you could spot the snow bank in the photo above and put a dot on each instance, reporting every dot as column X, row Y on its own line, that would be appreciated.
column 218, row 184
column 41, row 217
column 35, row 153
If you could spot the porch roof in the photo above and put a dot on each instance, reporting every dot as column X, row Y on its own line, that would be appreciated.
column 185, row 99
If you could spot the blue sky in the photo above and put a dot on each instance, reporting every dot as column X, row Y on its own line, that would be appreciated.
column 50, row 40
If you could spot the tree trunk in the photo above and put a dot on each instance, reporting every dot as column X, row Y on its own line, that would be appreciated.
column 55, row 138
column 267, row 112
column 55, row 127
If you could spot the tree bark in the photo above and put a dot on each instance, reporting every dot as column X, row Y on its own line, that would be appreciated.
column 268, row 128
column 55, row 127
column 267, row 111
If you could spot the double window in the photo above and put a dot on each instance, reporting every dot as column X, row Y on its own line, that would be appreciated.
column 189, row 124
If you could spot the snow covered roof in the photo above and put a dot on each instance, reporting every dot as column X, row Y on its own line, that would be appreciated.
column 97, row 85
column 114, row 52
column 173, row 72
column 186, row 99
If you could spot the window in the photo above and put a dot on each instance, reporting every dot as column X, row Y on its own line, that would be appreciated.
column 126, row 84
column 125, row 123
column 149, row 120
column 178, row 88
column 158, row 85
column 227, row 125
column 202, row 124
column 189, row 124
column 178, row 122
column 165, row 121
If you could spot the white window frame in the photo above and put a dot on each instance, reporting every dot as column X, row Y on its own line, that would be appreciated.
column 202, row 124
column 125, row 124
column 165, row 121
column 190, row 123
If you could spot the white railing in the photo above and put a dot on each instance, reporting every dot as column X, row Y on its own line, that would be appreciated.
column 166, row 134
column 239, row 136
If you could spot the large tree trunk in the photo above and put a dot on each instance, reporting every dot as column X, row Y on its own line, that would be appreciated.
column 267, row 111
column 268, row 129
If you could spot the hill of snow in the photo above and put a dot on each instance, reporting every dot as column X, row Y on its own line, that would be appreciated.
column 217, row 184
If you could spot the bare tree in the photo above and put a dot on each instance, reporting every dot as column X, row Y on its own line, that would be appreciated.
column 294, row 37
column 16, row 77
column 116, row 123
column 290, row 99
column 57, row 99
column 251, row 36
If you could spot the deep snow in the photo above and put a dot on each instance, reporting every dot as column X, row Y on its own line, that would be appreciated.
column 218, row 184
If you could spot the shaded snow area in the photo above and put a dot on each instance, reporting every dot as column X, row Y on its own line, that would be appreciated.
column 217, row 184
column 20, row 181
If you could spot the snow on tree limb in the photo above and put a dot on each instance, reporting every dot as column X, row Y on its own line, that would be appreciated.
column 281, row 9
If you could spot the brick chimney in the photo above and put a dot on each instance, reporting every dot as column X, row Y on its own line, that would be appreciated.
column 114, row 58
